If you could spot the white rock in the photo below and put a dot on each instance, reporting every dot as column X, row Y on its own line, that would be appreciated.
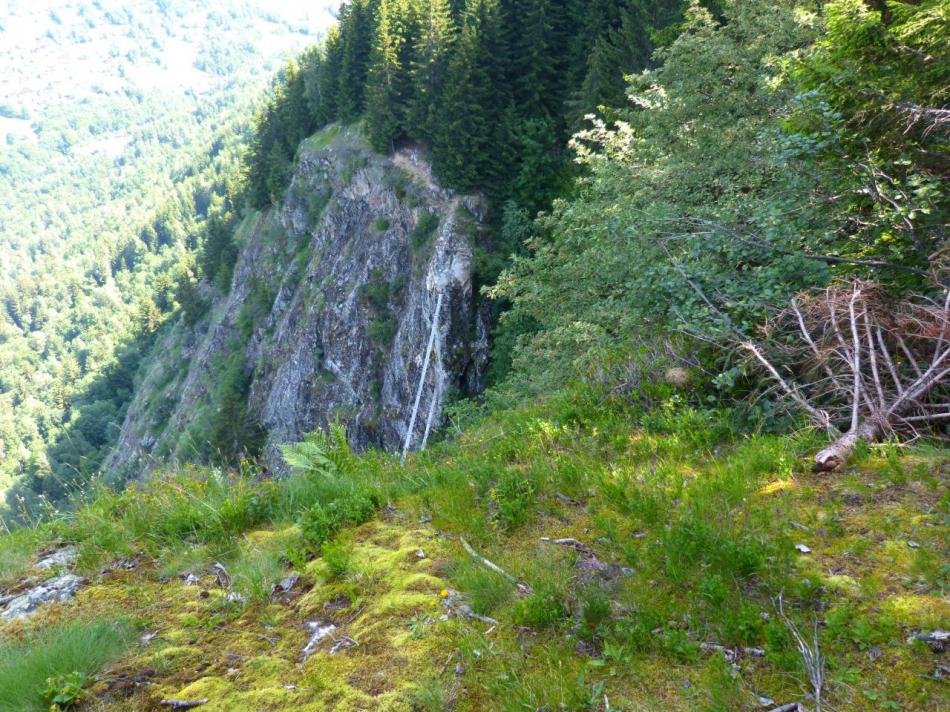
column 320, row 632
column 801, row 548
column 62, row 557
column 61, row 588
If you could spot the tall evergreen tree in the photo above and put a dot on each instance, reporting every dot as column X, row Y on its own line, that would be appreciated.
column 327, row 81
column 463, row 146
column 357, row 32
column 433, row 51
column 539, row 32
column 389, row 86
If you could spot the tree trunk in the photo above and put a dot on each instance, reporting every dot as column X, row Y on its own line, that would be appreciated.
column 836, row 454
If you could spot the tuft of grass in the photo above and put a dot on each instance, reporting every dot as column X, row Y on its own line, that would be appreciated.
column 184, row 559
column 72, row 651
column 486, row 590
column 254, row 573
column 430, row 696
column 336, row 555
column 16, row 550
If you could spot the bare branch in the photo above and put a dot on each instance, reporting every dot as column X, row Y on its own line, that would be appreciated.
column 819, row 416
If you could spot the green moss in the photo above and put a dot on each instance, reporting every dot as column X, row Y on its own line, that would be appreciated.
column 322, row 138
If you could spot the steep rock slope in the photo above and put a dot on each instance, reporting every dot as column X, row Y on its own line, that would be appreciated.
column 329, row 313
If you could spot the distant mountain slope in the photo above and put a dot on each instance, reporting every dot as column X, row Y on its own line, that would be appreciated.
column 119, row 127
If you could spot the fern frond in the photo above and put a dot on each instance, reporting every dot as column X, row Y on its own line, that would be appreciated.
column 307, row 456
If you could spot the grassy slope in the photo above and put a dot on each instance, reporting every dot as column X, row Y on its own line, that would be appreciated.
column 697, row 526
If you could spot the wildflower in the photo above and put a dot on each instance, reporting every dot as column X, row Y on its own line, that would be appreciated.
column 444, row 593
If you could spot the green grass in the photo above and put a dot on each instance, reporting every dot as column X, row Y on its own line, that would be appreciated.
column 83, row 648
column 322, row 138
column 696, row 517
column 16, row 550
column 424, row 230
column 254, row 573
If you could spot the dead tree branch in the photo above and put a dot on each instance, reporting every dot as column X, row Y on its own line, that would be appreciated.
column 861, row 365
column 810, row 651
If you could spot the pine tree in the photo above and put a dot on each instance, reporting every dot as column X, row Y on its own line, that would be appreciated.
column 621, row 44
column 433, row 51
column 389, row 86
column 539, row 33
column 327, row 80
column 463, row 146
column 357, row 31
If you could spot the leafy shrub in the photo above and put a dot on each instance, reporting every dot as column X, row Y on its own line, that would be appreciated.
column 511, row 499
column 354, row 505
column 381, row 225
column 336, row 555
column 329, row 497
column 64, row 692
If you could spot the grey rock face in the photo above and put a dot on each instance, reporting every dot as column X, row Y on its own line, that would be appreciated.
column 60, row 588
column 59, row 558
column 330, row 309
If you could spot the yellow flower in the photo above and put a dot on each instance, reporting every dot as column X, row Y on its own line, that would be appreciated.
column 444, row 593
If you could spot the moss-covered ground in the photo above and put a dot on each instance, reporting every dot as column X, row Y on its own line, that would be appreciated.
column 687, row 530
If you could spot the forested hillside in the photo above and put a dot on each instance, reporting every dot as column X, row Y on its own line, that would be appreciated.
column 120, row 125
column 669, row 282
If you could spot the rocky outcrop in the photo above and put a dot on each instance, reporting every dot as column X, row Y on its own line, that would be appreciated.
column 329, row 312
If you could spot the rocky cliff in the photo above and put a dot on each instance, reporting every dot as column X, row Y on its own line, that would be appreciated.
column 329, row 314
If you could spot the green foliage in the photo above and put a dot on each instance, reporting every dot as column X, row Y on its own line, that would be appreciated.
column 336, row 555
column 53, row 667
column 64, row 692
column 485, row 589
column 232, row 430
column 382, row 296
column 254, row 574
column 424, row 230
column 325, row 496
column 113, row 206
column 869, row 89
column 545, row 606
column 16, row 550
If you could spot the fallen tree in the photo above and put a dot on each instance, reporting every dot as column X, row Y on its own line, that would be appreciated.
column 860, row 364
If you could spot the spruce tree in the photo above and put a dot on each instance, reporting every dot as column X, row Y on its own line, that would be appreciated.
column 433, row 50
column 463, row 146
column 327, row 80
column 357, row 32
column 389, row 85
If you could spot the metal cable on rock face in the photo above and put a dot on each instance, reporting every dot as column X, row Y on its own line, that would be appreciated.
column 422, row 376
